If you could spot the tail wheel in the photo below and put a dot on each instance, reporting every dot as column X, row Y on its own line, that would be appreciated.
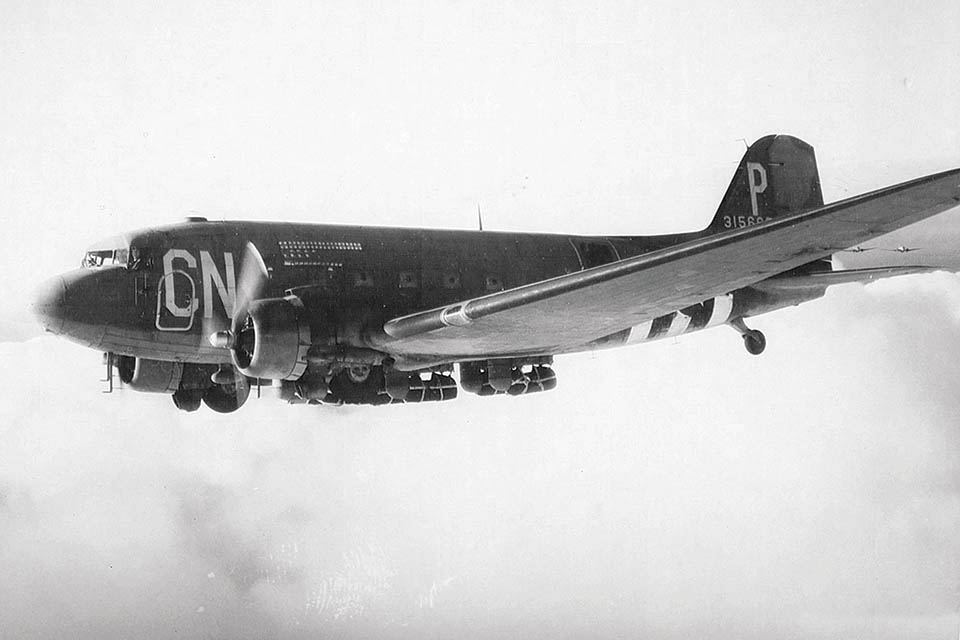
column 755, row 342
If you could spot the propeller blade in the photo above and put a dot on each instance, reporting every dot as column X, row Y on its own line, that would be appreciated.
column 250, row 285
column 253, row 278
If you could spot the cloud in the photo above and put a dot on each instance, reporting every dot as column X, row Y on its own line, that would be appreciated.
column 680, row 488
column 676, row 488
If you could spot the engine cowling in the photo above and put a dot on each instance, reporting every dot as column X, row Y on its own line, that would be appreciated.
column 271, row 339
column 153, row 376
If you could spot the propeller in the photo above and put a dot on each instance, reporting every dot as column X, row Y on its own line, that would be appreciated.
column 240, row 336
column 251, row 283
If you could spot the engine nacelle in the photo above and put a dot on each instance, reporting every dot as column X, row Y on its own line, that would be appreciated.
column 154, row 376
column 272, row 339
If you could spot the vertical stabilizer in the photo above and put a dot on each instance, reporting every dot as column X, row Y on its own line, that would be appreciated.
column 777, row 176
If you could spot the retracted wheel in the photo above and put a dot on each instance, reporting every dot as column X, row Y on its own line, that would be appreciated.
column 754, row 341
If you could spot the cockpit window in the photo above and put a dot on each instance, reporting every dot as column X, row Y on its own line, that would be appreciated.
column 139, row 258
column 105, row 257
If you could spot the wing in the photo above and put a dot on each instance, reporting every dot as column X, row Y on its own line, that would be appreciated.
column 554, row 314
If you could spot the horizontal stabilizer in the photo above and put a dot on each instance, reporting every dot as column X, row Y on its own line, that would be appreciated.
column 825, row 279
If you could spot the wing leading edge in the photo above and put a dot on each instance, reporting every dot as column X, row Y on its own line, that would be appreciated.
column 550, row 315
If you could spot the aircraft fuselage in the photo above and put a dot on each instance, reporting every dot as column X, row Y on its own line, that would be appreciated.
column 166, row 290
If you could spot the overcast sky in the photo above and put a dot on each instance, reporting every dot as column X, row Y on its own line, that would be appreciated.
column 676, row 489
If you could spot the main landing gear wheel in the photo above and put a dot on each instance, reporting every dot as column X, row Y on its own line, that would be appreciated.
column 755, row 342
column 227, row 398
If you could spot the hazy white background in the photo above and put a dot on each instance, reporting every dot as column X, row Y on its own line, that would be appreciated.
column 678, row 489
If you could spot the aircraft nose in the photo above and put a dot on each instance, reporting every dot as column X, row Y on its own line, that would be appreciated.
column 48, row 304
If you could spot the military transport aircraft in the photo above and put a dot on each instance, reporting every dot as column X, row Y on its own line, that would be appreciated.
column 326, row 314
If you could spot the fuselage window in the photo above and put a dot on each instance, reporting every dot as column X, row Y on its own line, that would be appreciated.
column 451, row 280
column 408, row 280
column 594, row 254
column 362, row 279
column 493, row 283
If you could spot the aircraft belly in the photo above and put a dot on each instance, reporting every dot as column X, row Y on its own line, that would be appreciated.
column 183, row 347
column 85, row 333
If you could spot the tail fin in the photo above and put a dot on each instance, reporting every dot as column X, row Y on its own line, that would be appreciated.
column 777, row 176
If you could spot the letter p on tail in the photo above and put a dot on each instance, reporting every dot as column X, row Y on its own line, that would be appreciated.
column 758, row 184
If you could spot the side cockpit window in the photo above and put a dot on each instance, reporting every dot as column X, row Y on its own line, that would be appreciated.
column 137, row 259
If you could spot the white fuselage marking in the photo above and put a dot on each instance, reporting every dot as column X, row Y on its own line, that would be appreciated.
column 680, row 323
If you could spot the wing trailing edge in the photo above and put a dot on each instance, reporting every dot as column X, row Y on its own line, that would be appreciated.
column 823, row 279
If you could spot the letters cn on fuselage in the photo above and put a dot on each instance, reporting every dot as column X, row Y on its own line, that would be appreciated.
column 179, row 296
